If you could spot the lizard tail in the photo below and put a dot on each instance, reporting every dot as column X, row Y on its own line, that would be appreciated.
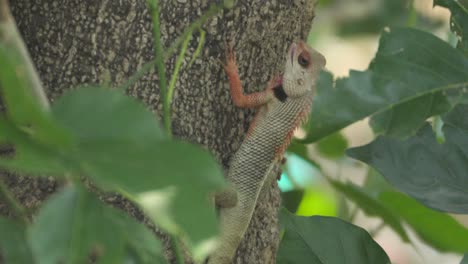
column 235, row 221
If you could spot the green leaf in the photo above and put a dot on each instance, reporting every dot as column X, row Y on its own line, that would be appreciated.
column 437, row 229
column 465, row 259
column 408, row 65
column 13, row 244
column 426, row 222
column 371, row 206
column 37, row 137
column 292, row 199
column 458, row 20
column 333, row 146
column 432, row 173
column 405, row 119
column 121, row 147
column 417, row 65
column 94, row 113
column 457, row 118
column 375, row 183
column 30, row 156
column 82, row 225
column 320, row 239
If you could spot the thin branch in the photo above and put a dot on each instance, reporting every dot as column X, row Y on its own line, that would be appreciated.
column 4, row 13
column 177, row 250
column 213, row 10
column 10, row 37
column 377, row 229
column 160, row 67
column 178, row 64
column 171, row 50
column 18, row 210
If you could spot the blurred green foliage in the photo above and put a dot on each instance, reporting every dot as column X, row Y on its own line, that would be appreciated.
column 414, row 76
column 103, row 136
column 319, row 239
column 83, row 225
column 420, row 165
column 359, row 17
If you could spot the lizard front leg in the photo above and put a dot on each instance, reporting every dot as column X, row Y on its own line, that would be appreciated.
column 237, row 92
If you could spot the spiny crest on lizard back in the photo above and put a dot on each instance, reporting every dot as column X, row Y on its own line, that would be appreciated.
column 303, row 65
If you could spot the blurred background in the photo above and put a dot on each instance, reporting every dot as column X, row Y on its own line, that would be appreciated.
column 347, row 33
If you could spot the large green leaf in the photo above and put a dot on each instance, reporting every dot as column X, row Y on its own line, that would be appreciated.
column 458, row 118
column 434, row 65
column 27, row 124
column 425, row 222
column 94, row 113
column 74, row 224
column 292, row 199
column 319, row 239
column 438, row 229
column 30, row 156
column 458, row 20
column 121, row 147
column 434, row 174
column 409, row 64
column 371, row 206
column 465, row 259
column 405, row 119
column 13, row 244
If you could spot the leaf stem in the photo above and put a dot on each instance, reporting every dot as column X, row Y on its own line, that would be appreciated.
column 177, row 69
column 161, row 55
column 177, row 251
column 353, row 214
column 160, row 67
column 199, row 47
column 212, row 10
column 10, row 37
column 377, row 229
column 18, row 210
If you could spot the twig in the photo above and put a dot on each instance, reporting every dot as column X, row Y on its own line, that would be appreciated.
column 177, row 69
column 177, row 251
column 213, row 9
column 377, row 229
column 171, row 50
column 160, row 67
column 10, row 37
column 18, row 210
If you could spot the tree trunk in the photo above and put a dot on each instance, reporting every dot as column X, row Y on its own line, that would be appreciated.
column 78, row 42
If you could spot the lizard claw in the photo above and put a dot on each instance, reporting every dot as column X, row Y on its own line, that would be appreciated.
column 230, row 56
column 226, row 198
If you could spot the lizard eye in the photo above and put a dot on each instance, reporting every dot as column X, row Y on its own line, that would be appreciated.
column 303, row 60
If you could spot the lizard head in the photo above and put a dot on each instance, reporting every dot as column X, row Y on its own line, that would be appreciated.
column 303, row 65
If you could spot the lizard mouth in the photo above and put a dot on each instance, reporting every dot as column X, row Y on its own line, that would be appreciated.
column 279, row 81
column 278, row 90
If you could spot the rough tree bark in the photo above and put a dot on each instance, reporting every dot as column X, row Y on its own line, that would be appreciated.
column 77, row 42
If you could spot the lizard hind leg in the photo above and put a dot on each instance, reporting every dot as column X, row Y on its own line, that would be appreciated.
column 226, row 198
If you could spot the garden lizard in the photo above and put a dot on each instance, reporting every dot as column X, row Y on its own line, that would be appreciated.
column 281, row 108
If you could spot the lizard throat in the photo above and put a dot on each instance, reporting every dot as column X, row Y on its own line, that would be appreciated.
column 279, row 93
